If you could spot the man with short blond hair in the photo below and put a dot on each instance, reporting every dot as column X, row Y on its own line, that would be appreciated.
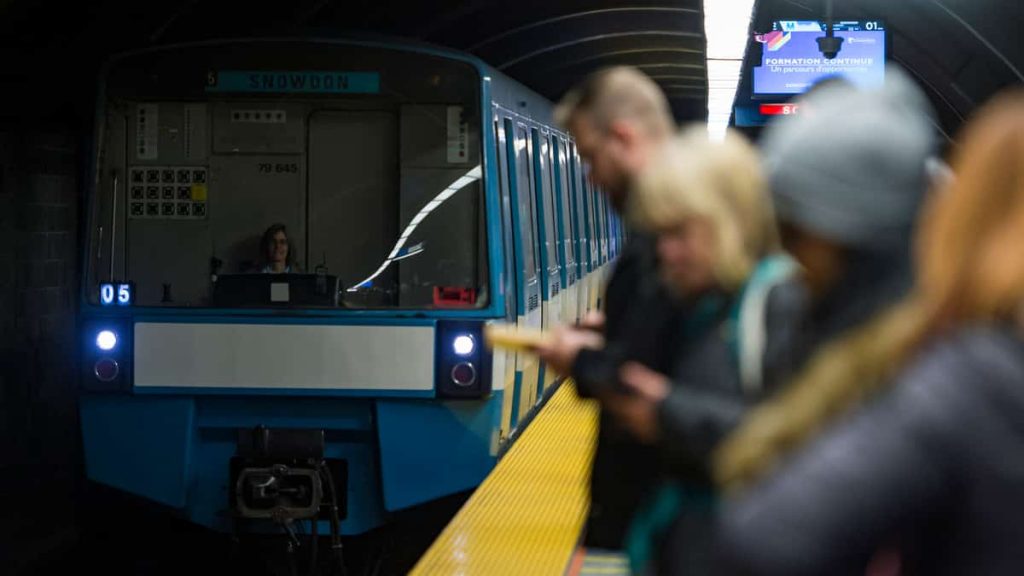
column 617, row 116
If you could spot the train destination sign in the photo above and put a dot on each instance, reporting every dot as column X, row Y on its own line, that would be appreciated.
column 293, row 81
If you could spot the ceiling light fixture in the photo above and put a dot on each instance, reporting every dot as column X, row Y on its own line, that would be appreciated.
column 727, row 27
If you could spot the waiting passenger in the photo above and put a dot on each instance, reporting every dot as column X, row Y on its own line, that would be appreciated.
column 718, row 251
column 277, row 254
column 847, row 182
column 619, row 118
column 928, row 467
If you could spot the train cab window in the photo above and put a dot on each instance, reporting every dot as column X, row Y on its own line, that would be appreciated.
column 381, row 188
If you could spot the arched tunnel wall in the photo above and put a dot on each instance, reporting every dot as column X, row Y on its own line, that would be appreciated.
column 38, row 271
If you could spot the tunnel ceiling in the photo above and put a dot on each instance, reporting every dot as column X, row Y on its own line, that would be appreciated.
column 961, row 51
column 547, row 45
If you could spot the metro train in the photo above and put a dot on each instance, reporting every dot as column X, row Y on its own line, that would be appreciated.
column 425, row 195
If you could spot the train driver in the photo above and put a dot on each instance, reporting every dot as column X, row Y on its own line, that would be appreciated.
column 276, row 253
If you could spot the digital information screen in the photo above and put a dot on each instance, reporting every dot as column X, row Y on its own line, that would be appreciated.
column 791, row 61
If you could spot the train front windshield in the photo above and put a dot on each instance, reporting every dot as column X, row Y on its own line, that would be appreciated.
column 368, row 158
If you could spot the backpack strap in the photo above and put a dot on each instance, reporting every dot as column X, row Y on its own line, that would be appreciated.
column 749, row 330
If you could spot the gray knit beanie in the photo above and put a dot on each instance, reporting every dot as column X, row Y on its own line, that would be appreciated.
column 851, row 166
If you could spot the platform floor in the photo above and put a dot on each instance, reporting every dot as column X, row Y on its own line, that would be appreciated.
column 526, row 517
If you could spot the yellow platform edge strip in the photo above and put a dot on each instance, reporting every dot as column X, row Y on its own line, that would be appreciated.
column 526, row 516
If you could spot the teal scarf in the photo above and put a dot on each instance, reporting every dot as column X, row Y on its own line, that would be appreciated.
column 652, row 521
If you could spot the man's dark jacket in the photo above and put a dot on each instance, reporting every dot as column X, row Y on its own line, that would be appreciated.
column 639, row 320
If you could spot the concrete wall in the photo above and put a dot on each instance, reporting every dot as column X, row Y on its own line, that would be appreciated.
column 38, row 285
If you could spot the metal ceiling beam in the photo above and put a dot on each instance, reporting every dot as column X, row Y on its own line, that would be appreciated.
column 617, row 53
column 595, row 38
column 981, row 38
column 546, row 81
column 700, row 87
column 575, row 15
column 663, row 65
column 657, row 77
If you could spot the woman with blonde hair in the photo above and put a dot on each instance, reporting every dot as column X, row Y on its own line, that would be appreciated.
column 718, row 253
column 929, row 465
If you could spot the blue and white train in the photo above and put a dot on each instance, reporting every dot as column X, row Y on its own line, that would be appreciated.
column 424, row 195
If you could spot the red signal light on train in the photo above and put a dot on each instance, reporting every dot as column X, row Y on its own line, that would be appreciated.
column 464, row 374
column 779, row 109
column 106, row 369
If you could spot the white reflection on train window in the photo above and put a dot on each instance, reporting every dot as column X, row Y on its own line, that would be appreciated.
column 399, row 251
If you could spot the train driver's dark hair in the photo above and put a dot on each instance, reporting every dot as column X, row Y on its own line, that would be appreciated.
column 268, row 238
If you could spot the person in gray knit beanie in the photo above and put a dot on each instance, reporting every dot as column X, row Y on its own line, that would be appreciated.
column 852, row 166
column 848, row 175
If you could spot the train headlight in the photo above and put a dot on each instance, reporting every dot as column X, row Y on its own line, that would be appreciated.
column 105, row 346
column 106, row 340
column 462, row 364
column 463, row 345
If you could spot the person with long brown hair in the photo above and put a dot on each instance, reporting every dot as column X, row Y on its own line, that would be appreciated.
column 906, row 432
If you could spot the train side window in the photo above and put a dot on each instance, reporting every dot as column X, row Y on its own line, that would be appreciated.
column 620, row 239
column 563, row 205
column 613, row 231
column 602, row 225
column 618, row 235
column 525, row 200
column 595, row 239
column 545, row 210
column 586, row 194
column 595, row 230
column 575, row 209
column 581, row 210
column 605, row 216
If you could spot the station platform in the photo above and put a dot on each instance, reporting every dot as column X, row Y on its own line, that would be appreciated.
column 527, row 515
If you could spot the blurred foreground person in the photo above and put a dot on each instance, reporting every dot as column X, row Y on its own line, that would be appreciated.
column 718, row 253
column 619, row 118
column 909, row 427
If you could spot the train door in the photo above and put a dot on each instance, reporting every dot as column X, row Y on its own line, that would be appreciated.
column 521, row 183
column 566, row 244
column 551, row 282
